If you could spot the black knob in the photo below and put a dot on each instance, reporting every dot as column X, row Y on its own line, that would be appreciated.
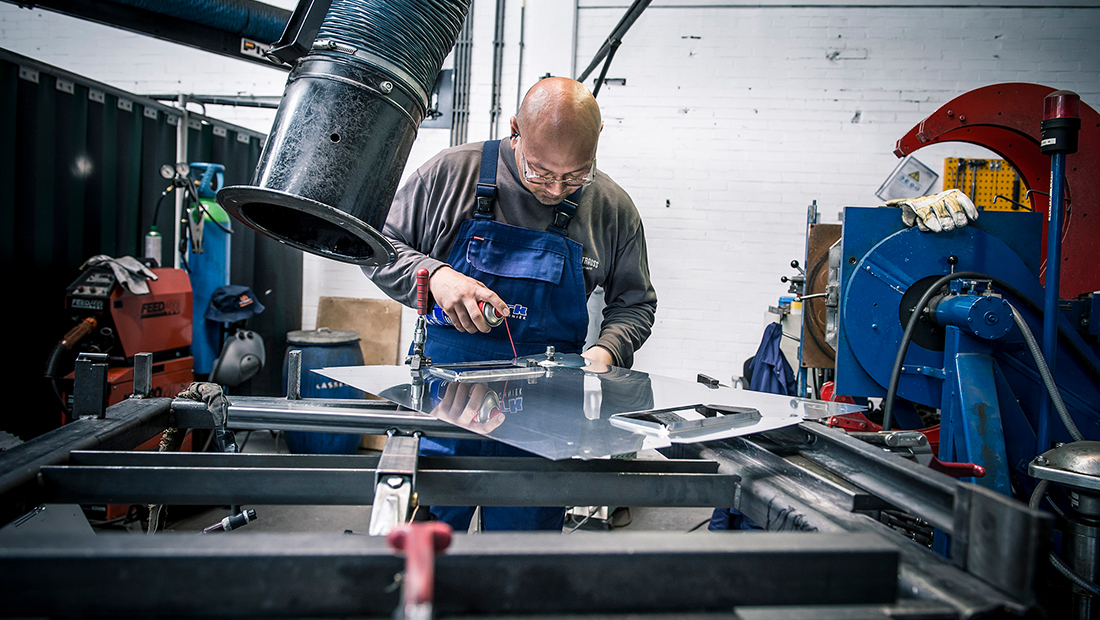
column 794, row 264
column 952, row 260
column 784, row 279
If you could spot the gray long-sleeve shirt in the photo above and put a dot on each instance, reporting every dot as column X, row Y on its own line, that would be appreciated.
column 429, row 208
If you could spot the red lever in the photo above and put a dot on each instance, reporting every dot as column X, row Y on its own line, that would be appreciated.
column 422, row 292
column 420, row 542
column 957, row 470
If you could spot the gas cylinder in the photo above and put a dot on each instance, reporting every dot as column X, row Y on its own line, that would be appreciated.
column 210, row 266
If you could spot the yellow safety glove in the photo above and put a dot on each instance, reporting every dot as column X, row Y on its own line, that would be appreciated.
column 944, row 211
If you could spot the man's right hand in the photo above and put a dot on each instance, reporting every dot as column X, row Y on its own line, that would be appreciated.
column 458, row 295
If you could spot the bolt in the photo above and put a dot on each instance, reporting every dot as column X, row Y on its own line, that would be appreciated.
column 990, row 318
column 394, row 482
column 962, row 118
column 951, row 113
column 1040, row 460
column 386, row 86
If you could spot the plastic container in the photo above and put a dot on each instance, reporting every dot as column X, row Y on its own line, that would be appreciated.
column 322, row 348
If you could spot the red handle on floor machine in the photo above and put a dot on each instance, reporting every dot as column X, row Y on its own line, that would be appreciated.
column 421, row 542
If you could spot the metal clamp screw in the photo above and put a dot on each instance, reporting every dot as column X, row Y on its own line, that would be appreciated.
column 386, row 87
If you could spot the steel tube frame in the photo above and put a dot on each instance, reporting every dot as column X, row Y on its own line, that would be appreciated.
column 335, row 416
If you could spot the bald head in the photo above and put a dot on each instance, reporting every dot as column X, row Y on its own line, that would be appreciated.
column 560, row 117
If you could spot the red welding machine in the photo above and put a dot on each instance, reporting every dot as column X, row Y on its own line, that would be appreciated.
column 114, row 321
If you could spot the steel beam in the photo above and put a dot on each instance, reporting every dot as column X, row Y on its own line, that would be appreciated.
column 126, row 425
column 310, row 575
column 303, row 484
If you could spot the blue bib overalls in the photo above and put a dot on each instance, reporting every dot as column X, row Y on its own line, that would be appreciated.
column 539, row 274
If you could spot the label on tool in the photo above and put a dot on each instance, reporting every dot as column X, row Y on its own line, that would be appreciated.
column 438, row 317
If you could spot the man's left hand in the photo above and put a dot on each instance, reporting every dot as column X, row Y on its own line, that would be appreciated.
column 944, row 211
column 600, row 355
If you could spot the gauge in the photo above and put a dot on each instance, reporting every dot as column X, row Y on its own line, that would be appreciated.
column 183, row 169
column 167, row 171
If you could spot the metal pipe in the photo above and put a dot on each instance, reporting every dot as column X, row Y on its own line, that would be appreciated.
column 462, row 59
column 617, row 34
column 519, row 63
column 1060, row 126
column 498, row 62
column 1051, row 312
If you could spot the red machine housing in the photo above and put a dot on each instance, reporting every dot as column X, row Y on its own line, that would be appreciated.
column 1006, row 119
column 159, row 321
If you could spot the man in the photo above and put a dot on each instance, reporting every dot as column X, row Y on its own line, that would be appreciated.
column 529, row 226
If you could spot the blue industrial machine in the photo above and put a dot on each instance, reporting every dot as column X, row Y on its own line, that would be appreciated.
column 966, row 357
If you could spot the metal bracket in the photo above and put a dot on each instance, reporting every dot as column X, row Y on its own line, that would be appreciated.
column 143, row 375
column 394, row 483
column 90, row 391
column 294, row 375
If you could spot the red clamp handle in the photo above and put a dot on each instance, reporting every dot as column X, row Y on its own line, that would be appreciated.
column 421, row 542
column 422, row 292
column 957, row 470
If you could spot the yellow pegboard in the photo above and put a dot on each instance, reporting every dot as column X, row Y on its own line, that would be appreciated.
column 985, row 179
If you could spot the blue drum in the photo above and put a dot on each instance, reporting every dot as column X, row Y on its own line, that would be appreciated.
column 323, row 348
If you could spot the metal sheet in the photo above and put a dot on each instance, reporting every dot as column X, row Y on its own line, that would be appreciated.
column 566, row 412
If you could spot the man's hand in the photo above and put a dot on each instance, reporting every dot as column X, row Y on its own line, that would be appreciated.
column 472, row 406
column 944, row 211
column 458, row 296
column 599, row 355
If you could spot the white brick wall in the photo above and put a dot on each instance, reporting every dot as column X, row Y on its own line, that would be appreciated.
column 735, row 119
column 732, row 115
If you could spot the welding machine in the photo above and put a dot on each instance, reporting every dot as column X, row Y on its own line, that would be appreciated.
column 112, row 320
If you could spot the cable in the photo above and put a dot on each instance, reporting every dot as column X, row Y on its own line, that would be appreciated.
column 1044, row 372
column 918, row 310
column 698, row 525
column 1064, row 337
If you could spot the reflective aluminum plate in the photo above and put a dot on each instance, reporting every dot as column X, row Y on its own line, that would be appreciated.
column 561, row 412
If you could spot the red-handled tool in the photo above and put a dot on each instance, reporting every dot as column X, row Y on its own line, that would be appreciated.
column 420, row 542
column 418, row 360
column 422, row 291
column 957, row 470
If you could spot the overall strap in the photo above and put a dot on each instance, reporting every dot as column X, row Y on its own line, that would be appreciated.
column 564, row 212
column 487, row 180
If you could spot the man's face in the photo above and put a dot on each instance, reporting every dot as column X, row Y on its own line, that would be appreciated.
column 551, row 174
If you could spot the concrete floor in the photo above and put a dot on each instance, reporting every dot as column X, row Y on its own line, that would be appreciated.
column 337, row 519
